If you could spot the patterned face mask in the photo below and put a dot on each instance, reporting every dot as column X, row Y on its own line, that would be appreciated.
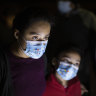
column 35, row 49
column 67, row 71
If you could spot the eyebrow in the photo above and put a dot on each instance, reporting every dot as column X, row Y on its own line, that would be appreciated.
column 78, row 60
column 34, row 33
column 69, row 57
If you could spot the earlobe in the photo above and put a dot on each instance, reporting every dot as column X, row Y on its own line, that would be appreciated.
column 16, row 34
column 54, row 62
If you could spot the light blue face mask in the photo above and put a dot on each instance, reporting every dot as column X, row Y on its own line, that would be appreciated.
column 35, row 49
column 64, row 6
column 67, row 71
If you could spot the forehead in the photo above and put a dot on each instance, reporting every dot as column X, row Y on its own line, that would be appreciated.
column 70, row 55
column 42, row 27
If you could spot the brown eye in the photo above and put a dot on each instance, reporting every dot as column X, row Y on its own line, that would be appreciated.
column 34, row 38
column 46, row 38
column 77, row 64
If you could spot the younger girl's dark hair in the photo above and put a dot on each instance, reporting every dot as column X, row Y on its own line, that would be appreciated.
column 29, row 16
column 66, row 48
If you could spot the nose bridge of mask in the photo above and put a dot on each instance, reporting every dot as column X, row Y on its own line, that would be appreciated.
column 65, row 64
column 69, row 65
column 37, row 43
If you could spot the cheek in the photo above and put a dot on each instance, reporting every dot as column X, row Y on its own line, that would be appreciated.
column 27, row 36
column 23, row 44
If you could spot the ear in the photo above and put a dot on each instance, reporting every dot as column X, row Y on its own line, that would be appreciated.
column 54, row 62
column 16, row 34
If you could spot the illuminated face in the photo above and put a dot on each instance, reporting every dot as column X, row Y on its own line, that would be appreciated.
column 38, row 31
column 70, row 58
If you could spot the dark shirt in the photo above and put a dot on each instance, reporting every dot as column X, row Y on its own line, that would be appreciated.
column 27, row 75
column 5, row 80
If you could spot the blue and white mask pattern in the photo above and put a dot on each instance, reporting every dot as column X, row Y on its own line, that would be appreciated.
column 35, row 49
column 67, row 71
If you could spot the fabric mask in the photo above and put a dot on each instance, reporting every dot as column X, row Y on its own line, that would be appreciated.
column 67, row 71
column 35, row 49
column 64, row 6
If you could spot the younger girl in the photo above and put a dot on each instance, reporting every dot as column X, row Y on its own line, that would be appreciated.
column 63, row 80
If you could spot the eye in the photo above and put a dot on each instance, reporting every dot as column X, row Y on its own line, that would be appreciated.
column 34, row 38
column 46, row 38
column 77, row 64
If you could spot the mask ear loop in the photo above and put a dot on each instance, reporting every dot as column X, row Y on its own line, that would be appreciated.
column 65, row 64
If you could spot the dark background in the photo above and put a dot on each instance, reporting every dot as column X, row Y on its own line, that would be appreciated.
column 50, row 4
